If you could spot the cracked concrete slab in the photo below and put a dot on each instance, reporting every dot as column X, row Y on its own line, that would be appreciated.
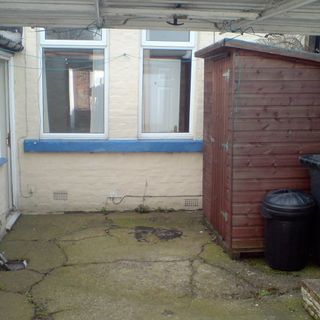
column 92, row 267
column 215, row 282
column 122, row 244
column 14, row 306
column 41, row 256
column 19, row 282
column 139, row 281
column 257, row 272
column 49, row 227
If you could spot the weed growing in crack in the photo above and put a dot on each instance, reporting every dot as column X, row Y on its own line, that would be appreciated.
column 40, row 308
column 267, row 292
column 165, row 210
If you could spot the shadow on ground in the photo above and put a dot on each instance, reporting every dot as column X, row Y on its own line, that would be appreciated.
column 98, row 266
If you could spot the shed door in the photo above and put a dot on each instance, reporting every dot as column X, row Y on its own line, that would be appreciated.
column 221, row 150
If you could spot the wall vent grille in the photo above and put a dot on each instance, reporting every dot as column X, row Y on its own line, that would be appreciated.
column 191, row 203
column 60, row 195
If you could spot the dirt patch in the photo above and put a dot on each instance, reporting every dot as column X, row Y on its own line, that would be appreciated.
column 141, row 233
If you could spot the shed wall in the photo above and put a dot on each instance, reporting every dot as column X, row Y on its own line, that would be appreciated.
column 276, row 113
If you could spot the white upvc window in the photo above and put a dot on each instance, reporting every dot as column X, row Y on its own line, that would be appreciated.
column 73, row 86
column 166, row 84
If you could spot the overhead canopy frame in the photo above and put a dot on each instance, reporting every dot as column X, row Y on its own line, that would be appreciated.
column 271, row 16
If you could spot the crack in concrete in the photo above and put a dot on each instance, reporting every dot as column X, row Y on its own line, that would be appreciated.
column 123, row 260
column 65, row 255
column 40, row 310
column 59, row 311
column 191, row 281
column 82, row 239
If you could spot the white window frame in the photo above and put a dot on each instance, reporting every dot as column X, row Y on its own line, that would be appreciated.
column 75, row 44
column 171, row 44
column 168, row 46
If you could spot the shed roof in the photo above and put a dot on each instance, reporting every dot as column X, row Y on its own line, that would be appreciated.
column 284, row 16
column 253, row 46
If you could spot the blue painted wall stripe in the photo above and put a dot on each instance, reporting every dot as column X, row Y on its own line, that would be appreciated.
column 3, row 161
column 96, row 146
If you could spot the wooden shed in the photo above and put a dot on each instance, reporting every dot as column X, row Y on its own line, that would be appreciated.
column 261, row 111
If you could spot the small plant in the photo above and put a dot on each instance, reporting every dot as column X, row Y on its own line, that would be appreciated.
column 105, row 211
column 267, row 292
column 165, row 210
column 142, row 209
column 40, row 308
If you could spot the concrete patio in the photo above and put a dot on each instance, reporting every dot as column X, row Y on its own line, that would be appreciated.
column 101, row 266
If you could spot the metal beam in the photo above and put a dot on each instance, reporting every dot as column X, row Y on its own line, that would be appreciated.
column 286, row 6
column 99, row 18
column 168, row 12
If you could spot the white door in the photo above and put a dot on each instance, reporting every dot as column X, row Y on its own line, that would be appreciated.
column 161, row 95
column 5, row 171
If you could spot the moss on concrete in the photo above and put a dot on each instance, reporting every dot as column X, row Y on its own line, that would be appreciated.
column 310, row 271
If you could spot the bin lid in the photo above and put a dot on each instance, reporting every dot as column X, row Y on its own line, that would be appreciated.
column 288, row 202
column 310, row 160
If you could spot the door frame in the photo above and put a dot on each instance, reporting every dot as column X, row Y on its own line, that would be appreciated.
column 12, row 156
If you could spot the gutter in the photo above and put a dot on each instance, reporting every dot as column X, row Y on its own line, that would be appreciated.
column 10, row 45
column 13, row 217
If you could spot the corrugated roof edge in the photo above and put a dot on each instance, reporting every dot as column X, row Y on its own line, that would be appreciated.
column 252, row 46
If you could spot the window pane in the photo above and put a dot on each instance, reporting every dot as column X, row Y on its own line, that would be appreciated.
column 73, row 34
column 73, row 90
column 164, row 35
column 166, row 90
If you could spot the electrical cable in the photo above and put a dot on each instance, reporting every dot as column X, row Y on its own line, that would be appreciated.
column 149, row 196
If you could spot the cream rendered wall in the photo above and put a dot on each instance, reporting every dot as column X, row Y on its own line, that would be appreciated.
column 91, row 179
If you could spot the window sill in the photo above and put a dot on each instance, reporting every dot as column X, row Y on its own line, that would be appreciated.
column 115, row 146
column 3, row 161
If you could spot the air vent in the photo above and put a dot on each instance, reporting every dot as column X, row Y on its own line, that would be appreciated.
column 60, row 195
column 191, row 203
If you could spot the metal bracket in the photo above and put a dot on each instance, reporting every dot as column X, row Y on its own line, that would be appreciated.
column 225, row 146
column 225, row 215
column 226, row 74
column 8, row 140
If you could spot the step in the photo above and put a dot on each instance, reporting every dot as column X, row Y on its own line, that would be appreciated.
column 310, row 289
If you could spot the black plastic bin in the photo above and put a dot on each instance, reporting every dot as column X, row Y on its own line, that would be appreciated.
column 312, row 161
column 287, row 216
